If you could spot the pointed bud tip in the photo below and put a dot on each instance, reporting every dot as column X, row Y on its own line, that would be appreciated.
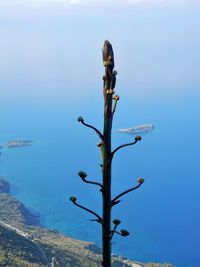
column 106, row 42
column 116, row 221
column 108, row 56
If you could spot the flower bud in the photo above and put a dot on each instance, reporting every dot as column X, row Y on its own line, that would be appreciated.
column 99, row 144
column 116, row 97
column 124, row 232
column 72, row 198
column 116, row 221
column 138, row 138
column 80, row 119
column 82, row 174
column 140, row 180
column 108, row 55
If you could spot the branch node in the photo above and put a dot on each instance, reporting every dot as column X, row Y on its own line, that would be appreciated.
column 113, row 203
column 110, row 91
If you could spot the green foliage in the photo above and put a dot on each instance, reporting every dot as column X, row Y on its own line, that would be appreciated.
column 14, row 247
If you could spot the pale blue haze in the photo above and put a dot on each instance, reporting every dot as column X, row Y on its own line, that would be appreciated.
column 50, row 73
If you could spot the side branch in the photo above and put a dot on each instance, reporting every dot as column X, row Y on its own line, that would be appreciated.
column 137, row 138
column 95, row 183
column 80, row 119
column 83, row 176
column 116, row 222
column 73, row 200
column 115, row 200
column 116, row 99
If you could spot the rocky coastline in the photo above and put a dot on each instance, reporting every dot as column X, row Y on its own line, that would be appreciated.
column 24, row 242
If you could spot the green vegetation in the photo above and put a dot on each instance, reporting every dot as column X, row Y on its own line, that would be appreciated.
column 17, row 250
column 14, row 212
column 4, row 186
column 23, row 243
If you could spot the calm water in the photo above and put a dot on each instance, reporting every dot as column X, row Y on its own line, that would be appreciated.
column 162, row 217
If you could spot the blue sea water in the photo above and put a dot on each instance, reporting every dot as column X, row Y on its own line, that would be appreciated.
column 163, row 216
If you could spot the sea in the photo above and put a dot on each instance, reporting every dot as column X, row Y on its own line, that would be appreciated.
column 162, row 216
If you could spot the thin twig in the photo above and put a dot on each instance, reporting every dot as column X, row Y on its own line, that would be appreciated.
column 96, row 220
column 113, row 202
column 119, row 147
column 95, row 183
column 88, row 210
column 95, row 129
column 113, row 231
column 122, row 232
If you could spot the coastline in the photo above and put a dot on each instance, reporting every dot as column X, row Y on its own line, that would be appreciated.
column 27, row 223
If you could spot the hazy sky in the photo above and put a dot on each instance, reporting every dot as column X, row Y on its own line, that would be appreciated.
column 98, row 2
column 156, row 42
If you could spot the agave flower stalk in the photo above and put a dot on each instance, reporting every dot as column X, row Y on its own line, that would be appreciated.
column 109, row 81
column 107, row 154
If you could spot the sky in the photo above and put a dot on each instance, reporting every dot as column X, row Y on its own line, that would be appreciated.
column 99, row 2
column 59, row 42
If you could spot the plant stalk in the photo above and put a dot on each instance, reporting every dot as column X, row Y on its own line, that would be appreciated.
column 107, row 92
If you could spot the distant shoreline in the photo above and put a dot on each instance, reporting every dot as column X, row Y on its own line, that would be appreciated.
column 30, row 217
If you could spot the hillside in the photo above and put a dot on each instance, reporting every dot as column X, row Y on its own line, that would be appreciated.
column 24, row 243
column 4, row 186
